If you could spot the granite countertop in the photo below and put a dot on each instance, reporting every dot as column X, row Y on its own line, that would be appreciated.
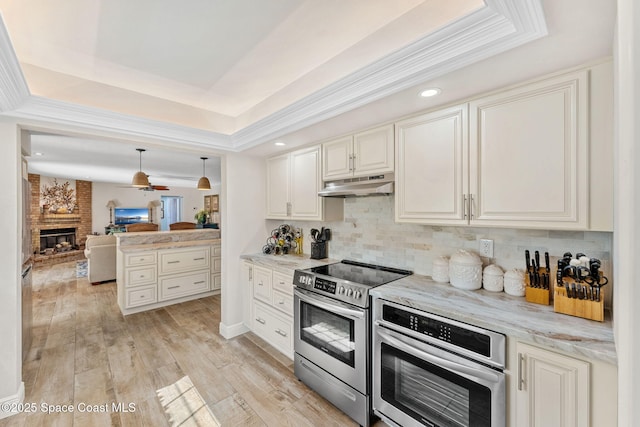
column 150, row 240
column 497, row 311
column 286, row 263
column 512, row 316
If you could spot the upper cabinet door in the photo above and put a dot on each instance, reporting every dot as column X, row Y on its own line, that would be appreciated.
column 365, row 153
column 529, row 155
column 337, row 159
column 373, row 151
column 278, row 177
column 431, row 167
column 305, row 184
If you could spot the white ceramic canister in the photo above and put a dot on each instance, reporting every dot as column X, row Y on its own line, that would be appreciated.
column 465, row 270
column 441, row 269
column 493, row 278
column 514, row 282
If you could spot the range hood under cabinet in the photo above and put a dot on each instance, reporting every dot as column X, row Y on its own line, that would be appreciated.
column 376, row 185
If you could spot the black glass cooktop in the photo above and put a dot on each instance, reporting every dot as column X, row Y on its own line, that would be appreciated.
column 360, row 273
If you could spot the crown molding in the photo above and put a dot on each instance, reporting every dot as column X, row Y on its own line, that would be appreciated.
column 13, row 87
column 498, row 26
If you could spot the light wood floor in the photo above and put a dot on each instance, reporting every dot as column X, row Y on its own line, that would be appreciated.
column 85, row 352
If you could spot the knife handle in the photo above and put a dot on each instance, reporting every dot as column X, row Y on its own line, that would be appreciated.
column 527, row 258
column 546, row 262
column 536, row 254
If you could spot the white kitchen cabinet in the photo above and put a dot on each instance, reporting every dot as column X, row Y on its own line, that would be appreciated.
column 431, row 170
column 271, row 307
column 519, row 160
column 553, row 390
column 293, row 182
column 365, row 153
column 157, row 277
column 529, row 155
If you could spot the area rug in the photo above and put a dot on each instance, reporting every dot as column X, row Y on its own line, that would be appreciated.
column 81, row 268
column 184, row 405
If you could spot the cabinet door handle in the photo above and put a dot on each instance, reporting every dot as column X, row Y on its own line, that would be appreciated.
column 251, row 274
column 199, row 282
column 521, row 382
column 260, row 284
column 471, row 206
column 173, row 287
column 198, row 259
column 350, row 162
column 288, row 208
column 259, row 320
column 279, row 332
column 173, row 262
column 464, row 206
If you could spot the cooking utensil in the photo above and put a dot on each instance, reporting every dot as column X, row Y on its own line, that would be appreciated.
column 315, row 233
column 536, row 255
column 527, row 258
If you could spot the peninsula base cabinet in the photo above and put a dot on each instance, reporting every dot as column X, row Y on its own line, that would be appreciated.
column 271, row 306
column 553, row 389
column 155, row 278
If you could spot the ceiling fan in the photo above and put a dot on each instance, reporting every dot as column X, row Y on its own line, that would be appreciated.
column 152, row 187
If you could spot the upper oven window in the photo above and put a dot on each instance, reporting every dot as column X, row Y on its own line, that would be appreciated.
column 328, row 332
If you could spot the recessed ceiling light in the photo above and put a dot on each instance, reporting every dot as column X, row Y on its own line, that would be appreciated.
column 37, row 153
column 430, row 92
column 280, row 143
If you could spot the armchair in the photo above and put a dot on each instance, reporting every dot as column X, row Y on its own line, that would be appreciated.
column 100, row 252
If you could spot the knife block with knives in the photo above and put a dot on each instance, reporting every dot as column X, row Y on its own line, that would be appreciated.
column 537, row 279
column 578, row 289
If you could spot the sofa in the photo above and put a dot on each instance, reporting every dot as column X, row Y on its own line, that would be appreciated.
column 100, row 252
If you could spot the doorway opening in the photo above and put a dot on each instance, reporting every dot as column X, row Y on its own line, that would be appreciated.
column 170, row 211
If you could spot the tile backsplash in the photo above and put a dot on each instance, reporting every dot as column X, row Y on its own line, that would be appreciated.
column 368, row 233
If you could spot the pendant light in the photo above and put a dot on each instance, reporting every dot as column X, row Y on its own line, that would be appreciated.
column 203, row 183
column 140, row 179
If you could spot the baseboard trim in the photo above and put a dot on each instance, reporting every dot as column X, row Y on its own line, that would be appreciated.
column 233, row 330
column 11, row 402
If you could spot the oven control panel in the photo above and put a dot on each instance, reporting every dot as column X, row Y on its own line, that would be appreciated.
column 338, row 289
column 461, row 337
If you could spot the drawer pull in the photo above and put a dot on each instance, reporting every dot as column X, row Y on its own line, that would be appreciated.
column 142, row 276
column 260, row 284
column 173, row 287
column 282, row 283
column 279, row 332
column 173, row 262
column 198, row 259
column 281, row 302
column 199, row 282
column 259, row 320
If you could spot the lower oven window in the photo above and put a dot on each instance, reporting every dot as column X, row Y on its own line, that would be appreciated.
column 329, row 332
column 431, row 394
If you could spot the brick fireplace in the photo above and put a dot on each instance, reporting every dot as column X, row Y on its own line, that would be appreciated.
column 48, row 228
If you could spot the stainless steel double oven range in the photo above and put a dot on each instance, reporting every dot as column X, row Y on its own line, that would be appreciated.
column 332, row 338
column 407, row 366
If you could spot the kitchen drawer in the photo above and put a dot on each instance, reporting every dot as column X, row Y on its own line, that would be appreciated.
column 141, row 296
column 283, row 282
column 140, row 258
column 276, row 329
column 216, row 250
column 216, row 265
column 176, row 260
column 283, row 302
column 184, row 284
column 216, row 281
column 262, row 284
column 140, row 276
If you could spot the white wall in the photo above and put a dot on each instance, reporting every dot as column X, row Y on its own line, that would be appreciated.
column 11, row 386
column 242, row 205
column 193, row 200
column 627, row 210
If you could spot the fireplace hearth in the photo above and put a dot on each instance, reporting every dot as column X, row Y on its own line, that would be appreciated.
column 57, row 240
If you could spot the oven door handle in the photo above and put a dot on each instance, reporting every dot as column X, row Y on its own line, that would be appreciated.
column 329, row 305
column 470, row 372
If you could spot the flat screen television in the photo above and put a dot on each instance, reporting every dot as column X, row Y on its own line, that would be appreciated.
column 124, row 216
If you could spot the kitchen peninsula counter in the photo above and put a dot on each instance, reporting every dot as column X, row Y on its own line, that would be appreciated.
column 155, row 269
column 497, row 311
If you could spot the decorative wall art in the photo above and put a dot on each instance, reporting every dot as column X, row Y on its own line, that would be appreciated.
column 58, row 197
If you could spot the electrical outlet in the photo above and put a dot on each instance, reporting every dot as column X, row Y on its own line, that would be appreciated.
column 486, row 248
